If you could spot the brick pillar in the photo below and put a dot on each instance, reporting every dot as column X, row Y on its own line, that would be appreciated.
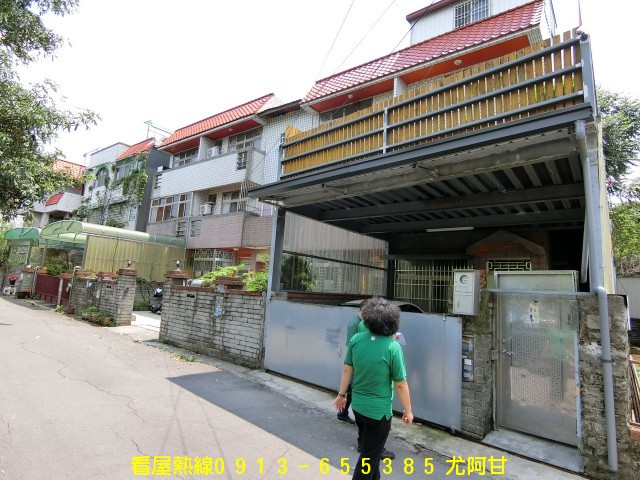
column 173, row 278
column 125, row 294
column 80, row 298
column 27, row 280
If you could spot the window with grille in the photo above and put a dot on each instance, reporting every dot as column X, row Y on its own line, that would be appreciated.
column 470, row 11
column 505, row 265
column 196, row 226
column 181, row 229
column 427, row 283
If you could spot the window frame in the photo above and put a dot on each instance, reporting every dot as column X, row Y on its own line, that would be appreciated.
column 168, row 208
column 470, row 12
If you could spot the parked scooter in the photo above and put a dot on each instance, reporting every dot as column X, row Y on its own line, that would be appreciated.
column 156, row 301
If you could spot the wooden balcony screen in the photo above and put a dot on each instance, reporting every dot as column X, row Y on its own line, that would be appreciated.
column 538, row 79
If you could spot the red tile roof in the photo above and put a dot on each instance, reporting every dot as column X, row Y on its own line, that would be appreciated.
column 143, row 146
column 74, row 169
column 509, row 22
column 53, row 199
column 228, row 116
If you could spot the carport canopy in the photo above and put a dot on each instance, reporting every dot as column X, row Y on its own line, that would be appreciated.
column 32, row 235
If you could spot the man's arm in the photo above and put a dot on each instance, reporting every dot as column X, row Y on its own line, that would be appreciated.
column 341, row 399
column 405, row 399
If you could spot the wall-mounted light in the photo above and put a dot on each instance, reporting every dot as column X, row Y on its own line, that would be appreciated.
column 457, row 62
column 177, row 264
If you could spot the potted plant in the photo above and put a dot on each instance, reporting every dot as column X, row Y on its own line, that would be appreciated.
column 91, row 313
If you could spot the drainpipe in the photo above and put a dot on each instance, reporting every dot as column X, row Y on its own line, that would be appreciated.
column 588, row 148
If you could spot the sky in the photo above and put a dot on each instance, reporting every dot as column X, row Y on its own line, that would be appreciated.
column 175, row 63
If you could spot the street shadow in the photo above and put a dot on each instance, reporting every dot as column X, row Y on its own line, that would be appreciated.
column 309, row 428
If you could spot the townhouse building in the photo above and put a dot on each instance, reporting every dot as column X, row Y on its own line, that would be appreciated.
column 109, row 199
column 59, row 205
column 202, row 197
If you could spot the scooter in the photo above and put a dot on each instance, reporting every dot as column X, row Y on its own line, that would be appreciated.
column 155, row 305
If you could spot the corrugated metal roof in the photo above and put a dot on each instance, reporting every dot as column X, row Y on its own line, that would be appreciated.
column 143, row 146
column 501, row 25
column 228, row 116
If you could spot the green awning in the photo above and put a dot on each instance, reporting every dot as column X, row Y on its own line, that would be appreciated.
column 73, row 231
column 32, row 236
column 23, row 233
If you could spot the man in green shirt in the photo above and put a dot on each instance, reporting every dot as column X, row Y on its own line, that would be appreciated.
column 375, row 362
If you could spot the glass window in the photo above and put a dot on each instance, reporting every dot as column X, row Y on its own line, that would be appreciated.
column 186, row 157
column 244, row 140
column 101, row 177
column 176, row 206
column 471, row 11
column 231, row 202
column 345, row 110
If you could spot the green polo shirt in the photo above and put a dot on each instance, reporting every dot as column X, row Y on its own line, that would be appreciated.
column 377, row 362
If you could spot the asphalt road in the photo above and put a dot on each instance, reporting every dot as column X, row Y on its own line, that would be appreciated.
column 82, row 402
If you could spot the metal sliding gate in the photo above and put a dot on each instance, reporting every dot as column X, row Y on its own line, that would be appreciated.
column 308, row 342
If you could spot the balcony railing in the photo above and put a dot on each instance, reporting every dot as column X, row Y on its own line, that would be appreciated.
column 529, row 82
column 228, row 168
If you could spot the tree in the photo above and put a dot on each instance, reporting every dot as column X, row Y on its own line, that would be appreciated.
column 625, row 236
column 620, row 139
column 29, row 116
column 296, row 274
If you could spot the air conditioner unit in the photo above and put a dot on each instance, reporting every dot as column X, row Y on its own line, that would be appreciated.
column 206, row 209
column 213, row 151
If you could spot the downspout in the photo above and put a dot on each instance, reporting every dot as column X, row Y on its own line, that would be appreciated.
column 589, row 155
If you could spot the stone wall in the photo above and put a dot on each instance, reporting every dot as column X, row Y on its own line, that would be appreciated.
column 592, row 396
column 227, row 324
column 477, row 395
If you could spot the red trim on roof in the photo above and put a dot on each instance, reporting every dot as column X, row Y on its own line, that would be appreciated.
column 143, row 146
column 53, row 199
column 74, row 169
column 492, row 28
column 216, row 121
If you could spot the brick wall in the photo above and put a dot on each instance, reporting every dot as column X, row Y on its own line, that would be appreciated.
column 189, row 320
column 112, row 293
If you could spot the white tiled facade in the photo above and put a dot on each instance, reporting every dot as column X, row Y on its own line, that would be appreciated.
column 209, row 180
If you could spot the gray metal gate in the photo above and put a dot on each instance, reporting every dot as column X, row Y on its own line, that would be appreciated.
column 537, row 388
column 308, row 342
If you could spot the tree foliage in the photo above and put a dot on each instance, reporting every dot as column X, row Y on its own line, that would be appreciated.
column 30, row 117
column 620, row 139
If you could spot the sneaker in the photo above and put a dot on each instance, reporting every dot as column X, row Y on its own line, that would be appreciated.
column 385, row 453
column 346, row 419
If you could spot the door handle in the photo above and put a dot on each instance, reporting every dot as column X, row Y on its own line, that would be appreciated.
column 506, row 352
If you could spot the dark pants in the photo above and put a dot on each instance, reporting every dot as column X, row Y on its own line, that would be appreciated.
column 345, row 412
column 374, row 436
